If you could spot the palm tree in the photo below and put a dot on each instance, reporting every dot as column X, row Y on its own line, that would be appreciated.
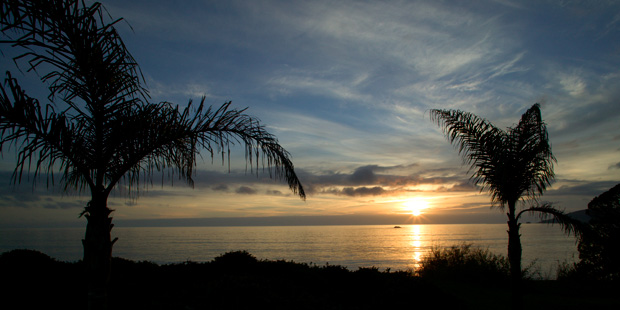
column 99, row 129
column 513, row 164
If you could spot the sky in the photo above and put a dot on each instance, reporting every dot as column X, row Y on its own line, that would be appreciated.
column 346, row 86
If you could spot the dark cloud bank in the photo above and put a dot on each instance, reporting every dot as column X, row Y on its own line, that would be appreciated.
column 369, row 180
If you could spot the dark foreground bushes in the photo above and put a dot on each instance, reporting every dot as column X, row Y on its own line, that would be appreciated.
column 467, row 263
column 481, row 280
column 33, row 280
column 454, row 278
column 235, row 280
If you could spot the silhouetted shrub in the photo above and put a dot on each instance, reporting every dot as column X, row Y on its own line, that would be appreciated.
column 236, row 258
column 464, row 262
column 599, row 250
column 567, row 271
column 26, row 257
column 31, row 280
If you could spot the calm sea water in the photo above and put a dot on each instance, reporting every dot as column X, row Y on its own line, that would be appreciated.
column 351, row 246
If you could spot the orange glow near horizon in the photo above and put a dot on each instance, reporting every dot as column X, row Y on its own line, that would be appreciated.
column 416, row 206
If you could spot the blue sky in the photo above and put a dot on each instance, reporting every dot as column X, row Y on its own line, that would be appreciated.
column 346, row 87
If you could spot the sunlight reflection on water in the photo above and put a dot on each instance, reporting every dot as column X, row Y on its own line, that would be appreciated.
column 416, row 245
column 351, row 246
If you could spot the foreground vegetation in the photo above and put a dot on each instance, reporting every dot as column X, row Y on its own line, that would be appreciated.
column 460, row 277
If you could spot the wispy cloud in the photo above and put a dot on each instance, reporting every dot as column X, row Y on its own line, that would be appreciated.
column 160, row 91
column 312, row 84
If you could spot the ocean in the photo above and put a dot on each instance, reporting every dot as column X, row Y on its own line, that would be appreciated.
column 354, row 246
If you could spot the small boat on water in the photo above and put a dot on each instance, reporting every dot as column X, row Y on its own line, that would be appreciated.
column 396, row 226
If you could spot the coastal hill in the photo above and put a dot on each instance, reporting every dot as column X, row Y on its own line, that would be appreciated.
column 580, row 215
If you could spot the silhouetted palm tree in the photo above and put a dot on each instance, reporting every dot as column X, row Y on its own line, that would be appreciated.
column 515, row 164
column 107, row 133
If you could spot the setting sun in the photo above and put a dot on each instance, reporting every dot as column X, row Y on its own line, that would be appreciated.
column 416, row 205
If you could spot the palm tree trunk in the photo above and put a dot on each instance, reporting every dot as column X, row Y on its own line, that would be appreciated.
column 514, row 257
column 98, row 251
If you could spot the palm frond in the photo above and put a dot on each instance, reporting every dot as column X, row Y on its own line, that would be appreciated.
column 479, row 143
column 547, row 211
column 532, row 153
column 89, row 60
column 507, row 163
column 157, row 137
column 43, row 137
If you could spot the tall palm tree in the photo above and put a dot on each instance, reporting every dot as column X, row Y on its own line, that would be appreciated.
column 513, row 164
column 99, row 129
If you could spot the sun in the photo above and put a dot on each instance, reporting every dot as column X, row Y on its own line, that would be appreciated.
column 416, row 206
